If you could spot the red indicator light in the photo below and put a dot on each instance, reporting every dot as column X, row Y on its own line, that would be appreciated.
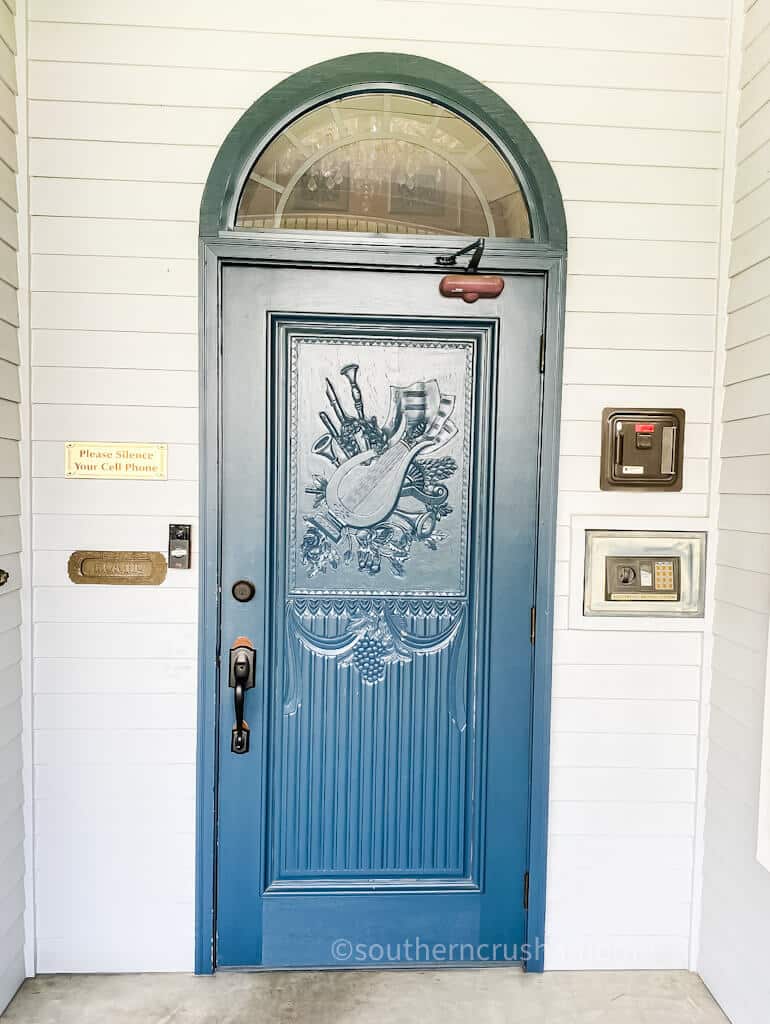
column 644, row 428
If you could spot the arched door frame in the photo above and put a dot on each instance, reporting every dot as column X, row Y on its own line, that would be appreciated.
column 544, row 254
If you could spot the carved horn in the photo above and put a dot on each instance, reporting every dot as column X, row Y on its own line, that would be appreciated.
column 351, row 372
column 324, row 447
column 421, row 524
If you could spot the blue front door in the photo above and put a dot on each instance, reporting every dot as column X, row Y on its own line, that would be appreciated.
column 379, row 461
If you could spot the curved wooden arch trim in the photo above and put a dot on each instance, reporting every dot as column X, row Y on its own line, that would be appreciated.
column 379, row 72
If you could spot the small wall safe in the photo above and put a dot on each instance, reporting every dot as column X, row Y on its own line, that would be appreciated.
column 642, row 449
column 632, row 573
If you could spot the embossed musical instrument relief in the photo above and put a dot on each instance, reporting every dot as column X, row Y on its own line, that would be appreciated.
column 383, row 493
column 380, row 459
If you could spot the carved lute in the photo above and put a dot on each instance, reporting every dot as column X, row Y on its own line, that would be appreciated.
column 365, row 489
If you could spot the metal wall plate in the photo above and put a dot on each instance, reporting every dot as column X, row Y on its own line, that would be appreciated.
column 117, row 568
column 608, row 550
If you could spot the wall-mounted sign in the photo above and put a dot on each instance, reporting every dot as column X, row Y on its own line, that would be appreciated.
column 120, row 568
column 117, row 460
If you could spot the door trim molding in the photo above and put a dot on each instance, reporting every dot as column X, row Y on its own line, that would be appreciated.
column 219, row 244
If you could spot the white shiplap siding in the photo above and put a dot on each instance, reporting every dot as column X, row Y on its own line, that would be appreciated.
column 736, row 891
column 128, row 105
column 11, row 787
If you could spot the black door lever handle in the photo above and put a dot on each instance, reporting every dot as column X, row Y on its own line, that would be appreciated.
column 242, row 663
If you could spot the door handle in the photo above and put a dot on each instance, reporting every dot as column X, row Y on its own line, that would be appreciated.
column 242, row 661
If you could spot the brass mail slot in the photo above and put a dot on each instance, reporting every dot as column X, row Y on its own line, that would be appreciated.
column 119, row 568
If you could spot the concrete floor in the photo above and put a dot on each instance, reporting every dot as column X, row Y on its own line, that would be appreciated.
column 453, row 996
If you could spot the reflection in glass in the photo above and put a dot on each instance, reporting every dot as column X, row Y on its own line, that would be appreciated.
column 384, row 162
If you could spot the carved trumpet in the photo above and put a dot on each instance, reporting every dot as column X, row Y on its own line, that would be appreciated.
column 351, row 372
column 324, row 447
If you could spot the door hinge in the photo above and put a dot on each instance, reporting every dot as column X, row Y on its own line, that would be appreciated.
column 542, row 352
column 526, row 890
column 532, row 623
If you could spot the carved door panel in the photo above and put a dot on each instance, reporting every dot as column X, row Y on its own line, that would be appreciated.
column 379, row 479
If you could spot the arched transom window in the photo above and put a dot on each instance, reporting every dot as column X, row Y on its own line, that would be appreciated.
column 385, row 163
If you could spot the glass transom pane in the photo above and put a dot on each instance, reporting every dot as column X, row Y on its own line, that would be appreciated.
column 384, row 163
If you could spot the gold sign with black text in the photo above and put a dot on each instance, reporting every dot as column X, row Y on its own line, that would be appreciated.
column 118, row 460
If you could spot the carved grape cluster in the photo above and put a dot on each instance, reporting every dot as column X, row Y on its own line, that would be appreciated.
column 369, row 658
column 374, row 647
